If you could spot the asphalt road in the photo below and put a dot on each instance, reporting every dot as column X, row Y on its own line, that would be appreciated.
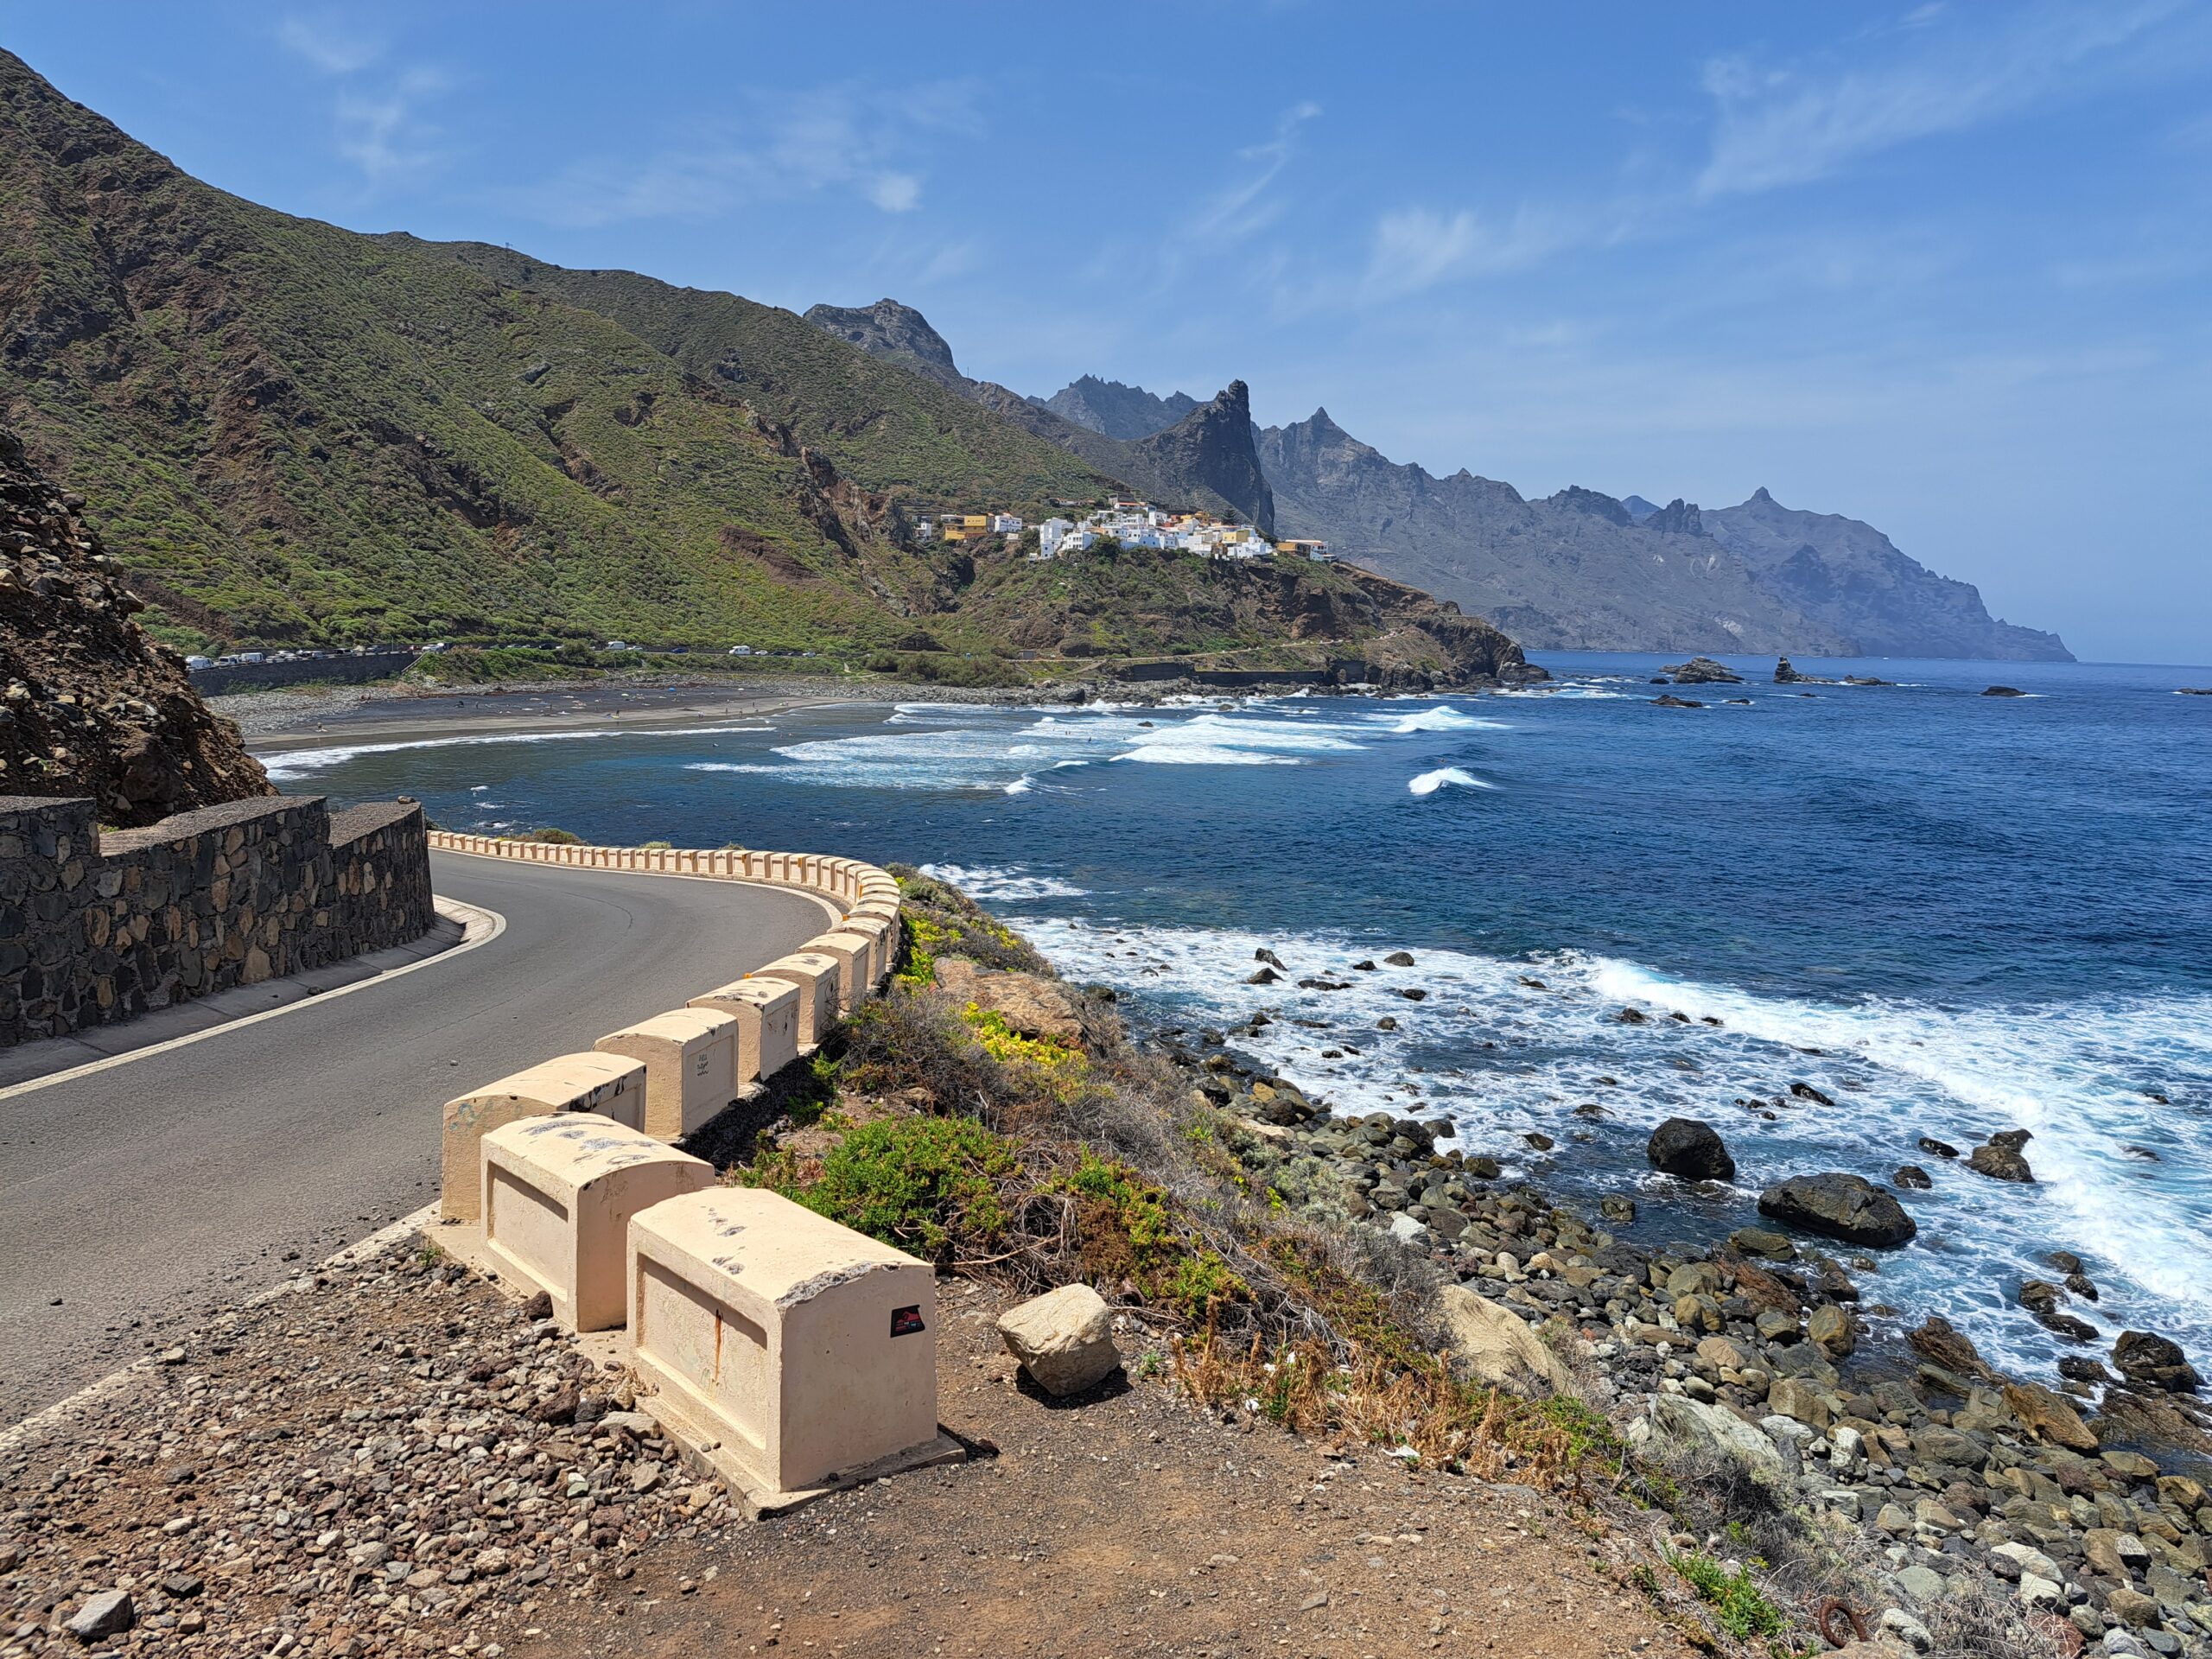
column 146, row 1196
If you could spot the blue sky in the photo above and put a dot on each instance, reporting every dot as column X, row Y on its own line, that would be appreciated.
column 1944, row 267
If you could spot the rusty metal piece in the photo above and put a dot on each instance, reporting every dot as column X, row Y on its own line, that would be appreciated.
column 1839, row 1623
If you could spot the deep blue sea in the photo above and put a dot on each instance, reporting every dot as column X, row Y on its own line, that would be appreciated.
column 1949, row 913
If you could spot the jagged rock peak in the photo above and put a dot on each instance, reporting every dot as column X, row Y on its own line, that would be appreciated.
column 886, row 327
column 1117, row 411
column 1212, row 446
column 1593, row 502
column 1678, row 516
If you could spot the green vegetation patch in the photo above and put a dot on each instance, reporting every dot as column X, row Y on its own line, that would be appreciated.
column 928, row 1184
column 1739, row 1606
column 1130, row 1236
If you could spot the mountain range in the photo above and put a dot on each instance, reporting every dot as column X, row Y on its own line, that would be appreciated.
column 291, row 432
column 284, row 432
column 1576, row 570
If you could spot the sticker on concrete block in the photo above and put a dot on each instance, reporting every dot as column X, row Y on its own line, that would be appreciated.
column 906, row 1321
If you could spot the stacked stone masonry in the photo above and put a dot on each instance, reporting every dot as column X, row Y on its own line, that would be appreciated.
column 99, row 926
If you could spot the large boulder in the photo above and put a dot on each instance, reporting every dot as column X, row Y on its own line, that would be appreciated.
column 1950, row 1348
column 2000, row 1159
column 2049, row 1417
column 1032, row 1005
column 2150, row 1361
column 1063, row 1340
column 1690, row 1423
column 1494, row 1346
column 1848, row 1207
column 1692, row 1149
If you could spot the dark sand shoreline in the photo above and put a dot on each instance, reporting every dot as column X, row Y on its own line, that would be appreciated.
column 277, row 723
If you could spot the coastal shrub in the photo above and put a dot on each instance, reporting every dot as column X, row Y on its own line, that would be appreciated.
column 917, row 969
column 1128, row 1239
column 1059, row 1069
column 1739, row 1606
column 1311, row 1388
column 928, row 1184
column 1710, row 1492
column 946, row 922
column 559, row 837
column 1984, row 1618
column 912, row 1044
column 945, row 668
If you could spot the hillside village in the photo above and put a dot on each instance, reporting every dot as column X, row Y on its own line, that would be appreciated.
column 1126, row 521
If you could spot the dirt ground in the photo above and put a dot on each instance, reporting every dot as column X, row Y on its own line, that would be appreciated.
column 1127, row 1521
column 1130, row 1522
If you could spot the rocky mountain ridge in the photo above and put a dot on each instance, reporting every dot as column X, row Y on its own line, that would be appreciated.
column 1119, row 412
column 1581, row 569
column 1201, row 460
column 1847, row 573
column 1571, row 571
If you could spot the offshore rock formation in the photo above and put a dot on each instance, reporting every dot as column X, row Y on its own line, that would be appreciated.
column 91, row 705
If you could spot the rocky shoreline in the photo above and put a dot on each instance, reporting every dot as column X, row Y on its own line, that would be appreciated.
column 2088, row 1505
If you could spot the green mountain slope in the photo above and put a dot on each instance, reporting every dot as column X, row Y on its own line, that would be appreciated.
column 883, row 426
column 294, row 432
column 288, row 432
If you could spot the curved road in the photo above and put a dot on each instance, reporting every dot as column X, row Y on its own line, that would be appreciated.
column 147, row 1195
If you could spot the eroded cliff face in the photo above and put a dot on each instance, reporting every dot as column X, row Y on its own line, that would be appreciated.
column 89, row 704
column 1211, row 449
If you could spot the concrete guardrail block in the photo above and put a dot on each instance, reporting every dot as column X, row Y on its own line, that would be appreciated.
column 766, row 1011
column 876, row 932
column 609, row 1084
column 815, row 975
column 795, row 1355
column 690, row 1060
column 855, row 955
column 557, row 1198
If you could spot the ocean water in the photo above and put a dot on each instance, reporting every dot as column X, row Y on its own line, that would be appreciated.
column 1949, row 914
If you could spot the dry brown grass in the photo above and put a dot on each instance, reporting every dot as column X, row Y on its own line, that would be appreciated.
column 1313, row 1391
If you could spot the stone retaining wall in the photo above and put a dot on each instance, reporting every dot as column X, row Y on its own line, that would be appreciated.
column 98, row 927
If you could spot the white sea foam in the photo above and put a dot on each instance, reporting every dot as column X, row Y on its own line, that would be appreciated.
column 299, row 762
column 1443, row 719
column 1013, row 882
column 1429, row 782
column 1507, row 1046
column 996, row 755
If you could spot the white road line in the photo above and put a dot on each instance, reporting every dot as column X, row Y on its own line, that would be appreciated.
column 480, row 926
column 115, row 1382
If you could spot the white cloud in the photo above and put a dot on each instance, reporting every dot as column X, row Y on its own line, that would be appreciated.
column 895, row 193
column 1246, row 208
column 1782, row 127
column 779, row 147
column 327, row 43
column 1417, row 248
column 385, row 135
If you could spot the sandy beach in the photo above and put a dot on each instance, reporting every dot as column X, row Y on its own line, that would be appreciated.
column 275, row 721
